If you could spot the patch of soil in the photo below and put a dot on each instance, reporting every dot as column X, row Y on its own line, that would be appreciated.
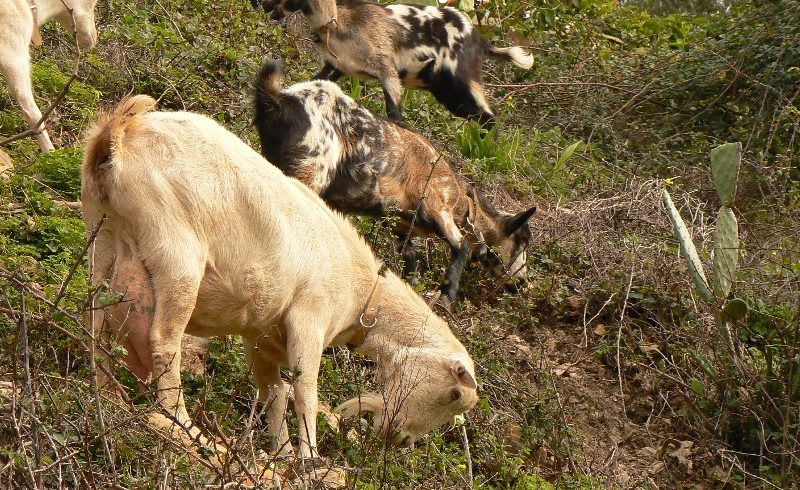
column 629, row 440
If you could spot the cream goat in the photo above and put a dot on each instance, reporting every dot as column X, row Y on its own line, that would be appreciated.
column 19, row 26
column 203, row 236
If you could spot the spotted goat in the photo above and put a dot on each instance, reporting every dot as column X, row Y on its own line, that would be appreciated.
column 429, row 48
column 361, row 163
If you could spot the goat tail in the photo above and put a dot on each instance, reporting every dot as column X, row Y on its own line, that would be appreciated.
column 269, row 84
column 515, row 54
column 103, row 141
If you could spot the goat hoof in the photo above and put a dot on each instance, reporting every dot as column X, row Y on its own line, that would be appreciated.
column 446, row 303
column 441, row 299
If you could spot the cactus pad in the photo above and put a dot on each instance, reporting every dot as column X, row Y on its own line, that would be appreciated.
column 726, row 251
column 734, row 309
column 688, row 250
column 725, row 168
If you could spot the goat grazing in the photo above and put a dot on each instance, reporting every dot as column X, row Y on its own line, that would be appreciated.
column 19, row 26
column 435, row 49
column 361, row 163
column 203, row 236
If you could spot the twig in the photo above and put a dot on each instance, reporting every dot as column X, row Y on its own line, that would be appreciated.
column 31, row 393
column 465, row 441
column 586, row 323
column 93, row 344
column 520, row 87
column 571, row 460
column 74, row 268
column 619, row 336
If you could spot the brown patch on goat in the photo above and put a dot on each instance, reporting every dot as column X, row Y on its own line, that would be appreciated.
column 435, row 186
column 103, row 137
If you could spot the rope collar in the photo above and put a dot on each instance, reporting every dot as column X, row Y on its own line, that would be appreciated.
column 36, row 37
column 369, row 315
column 327, row 28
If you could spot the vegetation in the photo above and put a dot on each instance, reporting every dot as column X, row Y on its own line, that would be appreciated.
column 605, row 372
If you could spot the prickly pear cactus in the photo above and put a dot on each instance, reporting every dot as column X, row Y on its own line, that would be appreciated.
column 726, row 252
column 725, row 161
column 725, row 168
column 688, row 249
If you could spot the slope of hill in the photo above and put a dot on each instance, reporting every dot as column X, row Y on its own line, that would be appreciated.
column 604, row 373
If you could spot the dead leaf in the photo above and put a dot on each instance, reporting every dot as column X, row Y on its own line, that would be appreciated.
column 512, row 435
column 682, row 454
column 520, row 346
column 648, row 349
column 600, row 330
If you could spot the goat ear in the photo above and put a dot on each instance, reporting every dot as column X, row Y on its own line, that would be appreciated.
column 517, row 221
column 462, row 374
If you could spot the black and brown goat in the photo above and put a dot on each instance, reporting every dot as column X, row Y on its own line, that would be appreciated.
column 361, row 163
column 435, row 49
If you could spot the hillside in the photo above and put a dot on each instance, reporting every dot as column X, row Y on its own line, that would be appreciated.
column 606, row 371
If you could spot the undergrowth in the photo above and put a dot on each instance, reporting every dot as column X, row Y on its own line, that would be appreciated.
column 608, row 331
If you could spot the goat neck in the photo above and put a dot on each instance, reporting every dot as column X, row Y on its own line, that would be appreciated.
column 483, row 220
column 369, row 314
column 404, row 320
column 323, row 15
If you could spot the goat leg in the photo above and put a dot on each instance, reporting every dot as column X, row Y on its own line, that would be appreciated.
column 453, row 274
column 17, row 72
column 273, row 393
column 328, row 72
column 392, row 91
column 304, row 355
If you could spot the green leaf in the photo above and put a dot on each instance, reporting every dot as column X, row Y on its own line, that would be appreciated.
column 564, row 158
column 108, row 298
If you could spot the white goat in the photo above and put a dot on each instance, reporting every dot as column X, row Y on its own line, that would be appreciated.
column 19, row 26
column 205, row 237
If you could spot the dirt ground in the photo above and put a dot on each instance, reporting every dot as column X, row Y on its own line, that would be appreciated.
column 633, row 441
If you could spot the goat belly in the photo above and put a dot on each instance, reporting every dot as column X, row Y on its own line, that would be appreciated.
column 132, row 318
